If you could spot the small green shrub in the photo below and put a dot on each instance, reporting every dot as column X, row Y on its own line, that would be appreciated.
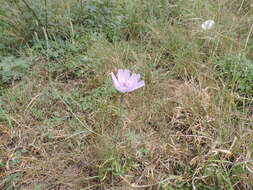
column 105, row 17
column 23, row 21
column 62, row 55
column 12, row 68
column 55, row 49
column 9, row 182
column 237, row 72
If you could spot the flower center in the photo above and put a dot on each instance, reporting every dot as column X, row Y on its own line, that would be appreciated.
column 124, row 84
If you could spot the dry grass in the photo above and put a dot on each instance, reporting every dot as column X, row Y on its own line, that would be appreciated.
column 68, row 130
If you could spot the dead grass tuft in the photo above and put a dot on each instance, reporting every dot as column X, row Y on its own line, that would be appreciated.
column 185, row 129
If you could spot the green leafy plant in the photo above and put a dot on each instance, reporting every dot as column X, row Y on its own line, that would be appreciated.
column 8, row 182
column 24, row 20
column 54, row 49
column 237, row 72
column 12, row 68
column 105, row 16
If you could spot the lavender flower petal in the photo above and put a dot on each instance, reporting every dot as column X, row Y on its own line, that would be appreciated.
column 138, row 85
column 116, row 83
column 133, row 79
column 121, row 76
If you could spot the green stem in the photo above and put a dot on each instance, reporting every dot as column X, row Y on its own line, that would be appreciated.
column 33, row 12
column 122, row 99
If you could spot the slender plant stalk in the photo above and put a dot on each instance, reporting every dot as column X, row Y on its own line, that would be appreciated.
column 122, row 99
column 33, row 12
column 46, row 25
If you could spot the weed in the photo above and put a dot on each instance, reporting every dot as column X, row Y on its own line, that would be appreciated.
column 12, row 68
column 9, row 182
column 105, row 17
column 237, row 72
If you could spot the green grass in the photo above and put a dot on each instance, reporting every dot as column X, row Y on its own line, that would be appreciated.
column 63, row 125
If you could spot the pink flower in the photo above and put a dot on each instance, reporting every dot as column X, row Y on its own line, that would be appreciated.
column 125, row 82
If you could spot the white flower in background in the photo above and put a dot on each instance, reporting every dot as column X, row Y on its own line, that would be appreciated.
column 207, row 25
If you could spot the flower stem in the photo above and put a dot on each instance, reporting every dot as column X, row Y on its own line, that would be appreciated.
column 122, row 99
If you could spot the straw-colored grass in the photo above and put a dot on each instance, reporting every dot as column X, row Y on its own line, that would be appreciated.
column 63, row 126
